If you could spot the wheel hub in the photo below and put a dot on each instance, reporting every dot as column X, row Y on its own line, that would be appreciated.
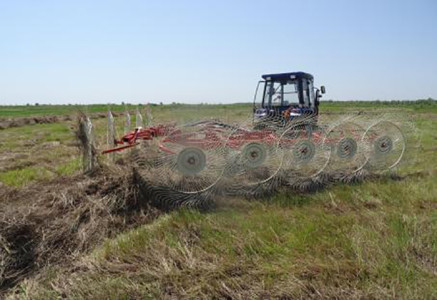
column 254, row 155
column 347, row 148
column 383, row 145
column 304, row 151
column 191, row 161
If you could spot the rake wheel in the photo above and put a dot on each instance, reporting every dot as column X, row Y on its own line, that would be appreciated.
column 189, row 159
column 304, row 152
column 387, row 145
column 349, row 152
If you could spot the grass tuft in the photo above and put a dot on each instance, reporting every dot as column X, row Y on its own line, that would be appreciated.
column 21, row 177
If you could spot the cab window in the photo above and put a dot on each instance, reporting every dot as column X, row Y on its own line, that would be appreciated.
column 273, row 93
column 291, row 95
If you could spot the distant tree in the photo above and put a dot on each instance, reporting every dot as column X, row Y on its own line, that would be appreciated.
column 122, row 103
column 160, row 103
column 36, row 104
column 27, row 104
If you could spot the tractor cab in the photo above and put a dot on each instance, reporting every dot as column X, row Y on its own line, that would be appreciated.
column 286, row 96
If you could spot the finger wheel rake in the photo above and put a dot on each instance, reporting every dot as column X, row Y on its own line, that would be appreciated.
column 190, row 159
column 349, row 152
column 304, row 153
column 387, row 145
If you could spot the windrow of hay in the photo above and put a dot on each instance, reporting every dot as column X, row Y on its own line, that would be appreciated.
column 18, row 122
column 41, row 225
column 23, row 121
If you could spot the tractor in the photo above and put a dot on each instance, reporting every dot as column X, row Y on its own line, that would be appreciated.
column 285, row 97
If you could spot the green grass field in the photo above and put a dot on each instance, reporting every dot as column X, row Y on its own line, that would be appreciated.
column 374, row 240
column 328, row 106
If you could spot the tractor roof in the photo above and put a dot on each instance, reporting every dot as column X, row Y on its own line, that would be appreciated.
column 285, row 76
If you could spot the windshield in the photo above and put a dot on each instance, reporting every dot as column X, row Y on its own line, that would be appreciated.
column 281, row 93
column 259, row 92
column 291, row 96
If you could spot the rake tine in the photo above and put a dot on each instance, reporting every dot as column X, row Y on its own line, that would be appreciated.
column 127, row 124
column 111, row 134
column 86, row 137
column 139, row 119
column 149, row 117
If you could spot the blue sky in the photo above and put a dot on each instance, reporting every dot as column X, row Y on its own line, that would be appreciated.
column 213, row 51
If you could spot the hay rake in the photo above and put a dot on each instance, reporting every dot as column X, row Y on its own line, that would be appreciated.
column 197, row 157
column 281, row 143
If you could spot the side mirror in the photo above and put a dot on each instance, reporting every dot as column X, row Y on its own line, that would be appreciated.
column 322, row 89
